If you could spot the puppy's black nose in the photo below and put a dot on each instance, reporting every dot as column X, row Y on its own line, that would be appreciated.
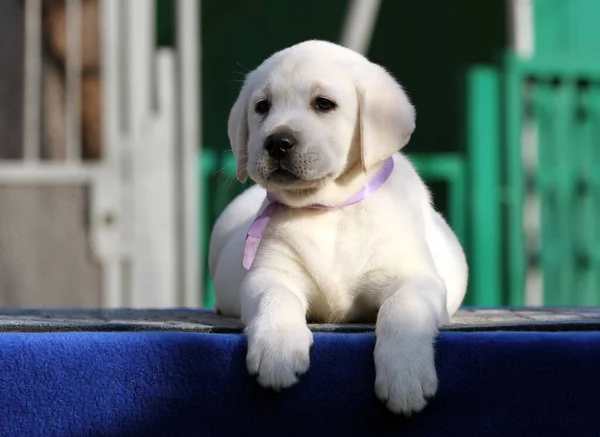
column 279, row 144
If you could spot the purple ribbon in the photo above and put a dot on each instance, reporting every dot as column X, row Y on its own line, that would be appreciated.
column 258, row 226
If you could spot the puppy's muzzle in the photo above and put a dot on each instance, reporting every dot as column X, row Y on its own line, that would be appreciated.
column 279, row 144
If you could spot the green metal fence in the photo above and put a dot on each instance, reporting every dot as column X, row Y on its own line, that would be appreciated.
column 534, row 183
column 559, row 103
column 552, row 107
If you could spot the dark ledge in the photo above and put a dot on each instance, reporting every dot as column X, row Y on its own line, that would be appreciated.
column 186, row 320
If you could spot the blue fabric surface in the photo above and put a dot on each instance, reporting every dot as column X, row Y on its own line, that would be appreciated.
column 195, row 384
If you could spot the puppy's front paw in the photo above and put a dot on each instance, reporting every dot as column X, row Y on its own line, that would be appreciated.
column 278, row 352
column 405, row 373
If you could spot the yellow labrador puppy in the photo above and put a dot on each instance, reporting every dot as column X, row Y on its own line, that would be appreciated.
column 339, row 227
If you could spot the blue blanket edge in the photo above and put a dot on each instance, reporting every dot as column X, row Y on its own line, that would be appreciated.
column 195, row 384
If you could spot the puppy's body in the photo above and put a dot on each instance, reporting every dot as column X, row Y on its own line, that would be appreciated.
column 312, row 125
column 351, row 252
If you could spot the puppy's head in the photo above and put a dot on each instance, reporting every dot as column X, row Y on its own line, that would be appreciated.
column 313, row 111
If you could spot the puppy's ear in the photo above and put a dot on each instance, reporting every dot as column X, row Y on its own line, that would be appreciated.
column 386, row 116
column 237, row 129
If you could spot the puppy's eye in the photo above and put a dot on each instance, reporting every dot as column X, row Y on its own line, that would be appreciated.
column 262, row 107
column 324, row 105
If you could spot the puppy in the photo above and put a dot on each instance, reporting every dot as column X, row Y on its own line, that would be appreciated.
column 314, row 125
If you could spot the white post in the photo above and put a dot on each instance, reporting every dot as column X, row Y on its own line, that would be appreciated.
column 189, row 49
column 155, row 257
column 151, row 142
column 521, row 27
column 360, row 24
column 145, row 202
column 107, row 216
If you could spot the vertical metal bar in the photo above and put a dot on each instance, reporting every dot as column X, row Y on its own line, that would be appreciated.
column 533, row 287
column 33, row 76
column 585, row 264
column 146, row 273
column 594, row 153
column 115, row 286
column 546, row 176
column 73, row 79
column 562, row 109
column 515, row 182
column 189, row 45
column 360, row 24
column 139, row 26
column 484, row 182
column 157, row 174
column 122, row 66
column 111, row 48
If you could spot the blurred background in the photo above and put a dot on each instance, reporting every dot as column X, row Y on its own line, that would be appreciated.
column 115, row 161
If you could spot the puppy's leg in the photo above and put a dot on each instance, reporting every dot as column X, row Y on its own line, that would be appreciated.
column 407, row 324
column 274, row 309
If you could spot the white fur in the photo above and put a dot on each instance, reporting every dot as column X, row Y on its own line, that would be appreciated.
column 389, row 259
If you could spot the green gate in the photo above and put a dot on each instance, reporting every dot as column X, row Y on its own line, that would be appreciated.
column 554, row 106
column 551, row 107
